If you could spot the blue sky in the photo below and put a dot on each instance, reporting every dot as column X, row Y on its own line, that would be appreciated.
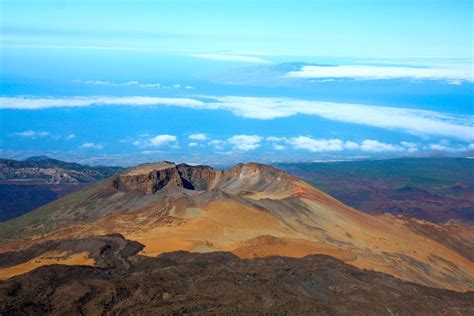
column 123, row 82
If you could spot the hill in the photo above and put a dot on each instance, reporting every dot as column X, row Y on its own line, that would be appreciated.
column 35, row 181
column 251, row 210
column 434, row 189
column 118, row 281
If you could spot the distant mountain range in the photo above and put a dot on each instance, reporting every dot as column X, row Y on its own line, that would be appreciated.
column 52, row 171
column 433, row 189
column 33, row 182
column 439, row 190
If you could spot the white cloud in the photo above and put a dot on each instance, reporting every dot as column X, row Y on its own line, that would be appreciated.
column 275, row 139
column 245, row 142
column 445, row 146
column 416, row 122
column 410, row 146
column 328, row 145
column 278, row 147
column 160, row 140
column 316, row 145
column 371, row 145
column 199, row 136
column 362, row 72
column 24, row 103
column 70, row 136
column 193, row 144
column 232, row 58
column 351, row 145
column 151, row 152
column 217, row 144
column 92, row 146
column 32, row 134
column 118, row 84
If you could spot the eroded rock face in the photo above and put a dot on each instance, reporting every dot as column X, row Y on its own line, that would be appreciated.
column 148, row 182
column 151, row 178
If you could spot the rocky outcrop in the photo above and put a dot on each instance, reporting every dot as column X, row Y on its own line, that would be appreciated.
column 252, row 177
column 216, row 283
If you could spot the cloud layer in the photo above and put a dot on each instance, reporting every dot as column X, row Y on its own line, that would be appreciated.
column 32, row 134
column 232, row 58
column 382, row 72
column 413, row 121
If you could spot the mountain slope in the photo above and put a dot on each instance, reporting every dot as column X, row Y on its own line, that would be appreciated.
column 251, row 210
column 435, row 189
column 31, row 183
column 123, row 282
column 52, row 171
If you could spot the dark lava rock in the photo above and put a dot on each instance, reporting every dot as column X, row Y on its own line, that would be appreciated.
column 213, row 283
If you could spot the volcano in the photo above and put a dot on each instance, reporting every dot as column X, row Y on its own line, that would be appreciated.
column 250, row 210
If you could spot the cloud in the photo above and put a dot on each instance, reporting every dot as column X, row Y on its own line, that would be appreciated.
column 232, row 58
column 32, row 134
column 417, row 122
column 92, row 146
column 362, row 72
column 24, row 103
column 375, row 146
column 410, row 146
column 70, row 136
column 278, row 147
column 193, row 144
column 316, row 145
column 160, row 140
column 199, row 136
column 351, row 145
column 445, row 146
column 413, row 121
column 118, row 84
column 275, row 139
column 333, row 145
column 217, row 144
column 245, row 142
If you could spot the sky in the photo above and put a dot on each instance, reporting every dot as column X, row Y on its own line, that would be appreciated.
column 220, row 82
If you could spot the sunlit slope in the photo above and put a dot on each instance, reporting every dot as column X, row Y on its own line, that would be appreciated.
column 252, row 210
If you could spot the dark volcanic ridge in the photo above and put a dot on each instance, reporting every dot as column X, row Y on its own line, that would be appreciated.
column 219, row 282
column 28, row 184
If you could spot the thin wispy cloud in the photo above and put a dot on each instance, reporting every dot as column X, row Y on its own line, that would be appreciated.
column 199, row 136
column 413, row 121
column 32, row 134
column 118, row 84
column 132, row 84
column 44, row 103
column 245, row 142
column 451, row 75
column 445, row 146
column 232, row 58
column 92, row 146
